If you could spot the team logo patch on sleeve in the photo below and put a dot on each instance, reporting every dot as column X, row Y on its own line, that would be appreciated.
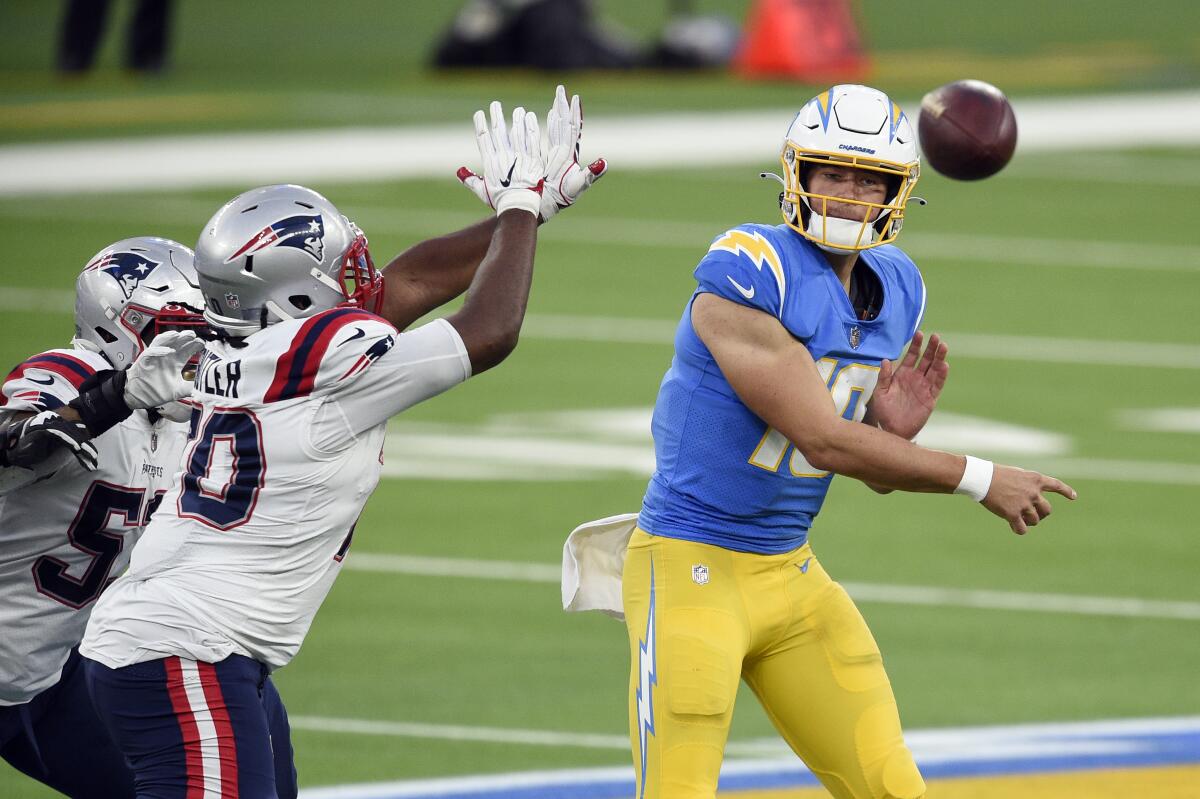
column 39, row 399
column 305, row 232
column 129, row 269
column 373, row 353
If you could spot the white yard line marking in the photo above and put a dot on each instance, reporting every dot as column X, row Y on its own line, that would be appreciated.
column 690, row 236
column 947, row 751
column 1159, row 473
column 1128, row 607
column 963, row 345
column 1161, row 420
column 630, row 142
column 454, row 732
column 617, row 330
column 1125, row 169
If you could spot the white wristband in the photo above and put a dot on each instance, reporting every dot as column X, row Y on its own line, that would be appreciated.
column 525, row 199
column 976, row 478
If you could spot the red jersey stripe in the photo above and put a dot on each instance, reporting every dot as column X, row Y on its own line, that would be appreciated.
column 296, row 370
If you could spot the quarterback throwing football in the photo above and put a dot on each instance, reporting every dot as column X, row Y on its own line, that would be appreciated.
column 720, row 583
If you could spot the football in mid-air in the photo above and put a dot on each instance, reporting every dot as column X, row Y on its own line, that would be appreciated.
column 968, row 130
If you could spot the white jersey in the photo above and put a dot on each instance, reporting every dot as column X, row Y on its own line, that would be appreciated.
column 285, row 450
column 65, row 537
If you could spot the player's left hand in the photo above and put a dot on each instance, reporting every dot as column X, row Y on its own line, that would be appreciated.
column 156, row 377
column 905, row 395
column 32, row 441
column 566, row 179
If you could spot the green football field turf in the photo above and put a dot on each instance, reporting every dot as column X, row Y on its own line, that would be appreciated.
column 1091, row 258
column 501, row 654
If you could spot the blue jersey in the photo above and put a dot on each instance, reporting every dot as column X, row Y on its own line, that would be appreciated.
column 722, row 475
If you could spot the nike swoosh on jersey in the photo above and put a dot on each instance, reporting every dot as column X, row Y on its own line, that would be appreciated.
column 358, row 333
column 47, row 382
column 748, row 293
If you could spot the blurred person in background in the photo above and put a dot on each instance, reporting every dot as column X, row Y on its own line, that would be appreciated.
column 146, row 40
column 565, row 35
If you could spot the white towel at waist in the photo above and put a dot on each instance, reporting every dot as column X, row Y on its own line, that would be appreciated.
column 593, row 560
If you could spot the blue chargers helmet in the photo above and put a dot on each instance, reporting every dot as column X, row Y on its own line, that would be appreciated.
column 131, row 291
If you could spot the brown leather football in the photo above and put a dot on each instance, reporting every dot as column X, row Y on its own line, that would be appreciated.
column 968, row 130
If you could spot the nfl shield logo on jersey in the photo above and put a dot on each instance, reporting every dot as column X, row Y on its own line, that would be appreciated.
column 699, row 574
column 854, row 333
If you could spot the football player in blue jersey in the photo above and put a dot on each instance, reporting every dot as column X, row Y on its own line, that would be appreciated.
column 720, row 582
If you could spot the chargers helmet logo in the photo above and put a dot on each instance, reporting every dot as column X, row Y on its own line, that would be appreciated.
column 129, row 269
column 305, row 233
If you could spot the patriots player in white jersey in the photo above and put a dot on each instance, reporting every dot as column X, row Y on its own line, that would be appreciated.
column 69, row 523
column 288, row 422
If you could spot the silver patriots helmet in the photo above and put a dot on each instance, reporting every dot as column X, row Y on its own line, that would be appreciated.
column 130, row 292
column 282, row 252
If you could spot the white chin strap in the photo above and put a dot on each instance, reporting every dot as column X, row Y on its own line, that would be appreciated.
column 837, row 231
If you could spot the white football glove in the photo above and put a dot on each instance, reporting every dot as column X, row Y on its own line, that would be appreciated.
column 513, row 169
column 156, row 377
column 565, row 178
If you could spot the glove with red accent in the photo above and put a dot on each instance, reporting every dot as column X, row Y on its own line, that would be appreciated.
column 566, row 179
column 513, row 168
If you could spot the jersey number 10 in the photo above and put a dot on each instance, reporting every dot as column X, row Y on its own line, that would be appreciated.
column 850, row 387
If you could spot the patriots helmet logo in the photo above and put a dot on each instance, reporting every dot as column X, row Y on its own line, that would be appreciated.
column 129, row 269
column 303, row 232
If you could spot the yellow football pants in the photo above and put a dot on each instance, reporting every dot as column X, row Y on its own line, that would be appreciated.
column 701, row 617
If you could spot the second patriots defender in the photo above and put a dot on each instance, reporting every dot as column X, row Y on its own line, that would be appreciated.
column 783, row 375
column 69, row 525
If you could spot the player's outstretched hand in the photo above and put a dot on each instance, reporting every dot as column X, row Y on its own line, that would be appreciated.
column 33, row 440
column 156, row 377
column 1017, row 496
column 514, row 170
column 566, row 179
column 906, row 395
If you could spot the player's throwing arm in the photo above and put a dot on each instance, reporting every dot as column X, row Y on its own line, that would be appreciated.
column 776, row 378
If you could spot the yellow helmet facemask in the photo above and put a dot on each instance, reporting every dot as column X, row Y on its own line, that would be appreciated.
column 807, row 212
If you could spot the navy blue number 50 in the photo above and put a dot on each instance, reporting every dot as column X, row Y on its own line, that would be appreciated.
column 230, row 440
